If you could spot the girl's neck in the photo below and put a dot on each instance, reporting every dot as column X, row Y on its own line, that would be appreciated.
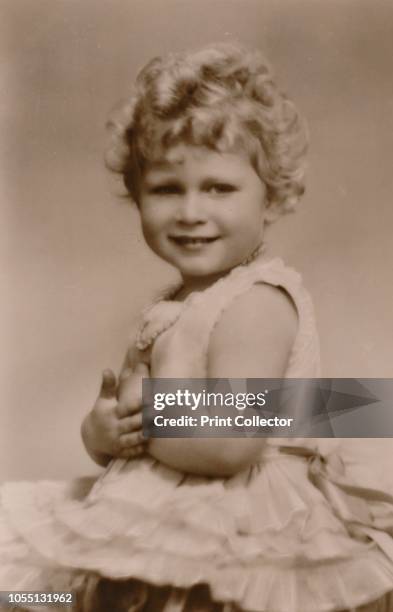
column 200, row 283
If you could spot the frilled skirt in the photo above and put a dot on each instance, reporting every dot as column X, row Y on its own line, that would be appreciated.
column 289, row 534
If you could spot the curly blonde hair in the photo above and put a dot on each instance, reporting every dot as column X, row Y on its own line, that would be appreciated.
column 222, row 97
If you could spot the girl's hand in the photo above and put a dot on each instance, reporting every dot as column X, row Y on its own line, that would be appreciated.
column 129, row 411
column 113, row 427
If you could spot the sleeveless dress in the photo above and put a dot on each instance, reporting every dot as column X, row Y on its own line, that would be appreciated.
column 288, row 534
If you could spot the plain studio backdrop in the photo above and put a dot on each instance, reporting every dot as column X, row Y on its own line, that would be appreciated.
column 75, row 271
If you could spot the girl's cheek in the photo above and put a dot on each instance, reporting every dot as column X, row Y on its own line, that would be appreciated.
column 149, row 236
column 151, row 210
column 149, row 217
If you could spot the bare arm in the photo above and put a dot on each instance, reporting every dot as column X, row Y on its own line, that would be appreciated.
column 253, row 339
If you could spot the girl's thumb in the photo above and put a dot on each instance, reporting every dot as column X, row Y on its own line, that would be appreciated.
column 108, row 385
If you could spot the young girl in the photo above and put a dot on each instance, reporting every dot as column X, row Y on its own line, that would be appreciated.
column 211, row 152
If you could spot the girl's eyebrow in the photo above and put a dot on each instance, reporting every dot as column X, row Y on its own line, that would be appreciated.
column 217, row 179
column 165, row 164
column 213, row 180
column 160, row 174
column 162, row 165
column 158, row 177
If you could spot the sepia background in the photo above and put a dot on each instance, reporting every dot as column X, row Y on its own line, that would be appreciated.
column 74, row 269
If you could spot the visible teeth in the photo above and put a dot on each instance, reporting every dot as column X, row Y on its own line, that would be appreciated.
column 187, row 240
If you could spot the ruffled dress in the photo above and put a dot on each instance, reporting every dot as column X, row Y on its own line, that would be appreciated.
column 290, row 533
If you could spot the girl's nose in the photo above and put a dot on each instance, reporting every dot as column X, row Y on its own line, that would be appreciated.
column 191, row 209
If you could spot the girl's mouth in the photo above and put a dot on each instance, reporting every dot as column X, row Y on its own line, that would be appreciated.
column 190, row 241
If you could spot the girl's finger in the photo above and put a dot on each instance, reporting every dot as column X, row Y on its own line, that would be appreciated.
column 123, row 377
column 108, row 384
column 130, row 388
column 142, row 369
column 131, row 439
column 129, row 424
column 123, row 410
column 135, row 451
column 124, row 374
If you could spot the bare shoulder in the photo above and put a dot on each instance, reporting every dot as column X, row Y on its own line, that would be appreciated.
column 254, row 336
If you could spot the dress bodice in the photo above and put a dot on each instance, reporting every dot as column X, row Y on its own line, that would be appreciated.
column 175, row 335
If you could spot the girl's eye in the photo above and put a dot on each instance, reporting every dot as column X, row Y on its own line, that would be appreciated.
column 168, row 189
column 222, row 188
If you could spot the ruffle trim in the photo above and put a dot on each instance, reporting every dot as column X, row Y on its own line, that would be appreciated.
column 296, row 556
column 323, row 588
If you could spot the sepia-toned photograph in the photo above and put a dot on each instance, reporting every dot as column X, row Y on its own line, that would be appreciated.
column 196, row 205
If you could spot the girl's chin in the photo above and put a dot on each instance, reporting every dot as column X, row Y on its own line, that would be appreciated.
column 203, row 271
column 197, row 264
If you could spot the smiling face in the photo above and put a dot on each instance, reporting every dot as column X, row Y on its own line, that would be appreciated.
column 202, row 211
